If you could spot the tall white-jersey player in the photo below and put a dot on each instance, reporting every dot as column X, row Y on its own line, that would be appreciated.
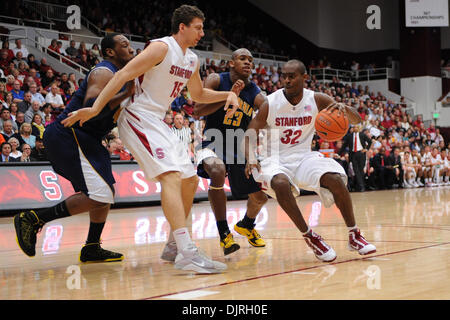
column 288, row 164
column 164, row 67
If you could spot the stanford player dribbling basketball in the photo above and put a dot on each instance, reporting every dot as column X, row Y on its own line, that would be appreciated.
column 289, row 115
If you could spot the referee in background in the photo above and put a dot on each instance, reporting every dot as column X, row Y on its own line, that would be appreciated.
column 183, row 133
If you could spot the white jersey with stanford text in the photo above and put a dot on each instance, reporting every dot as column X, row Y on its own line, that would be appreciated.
column 160, row 85
column 290, row 129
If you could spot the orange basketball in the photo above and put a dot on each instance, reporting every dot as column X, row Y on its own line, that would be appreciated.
column 331, row 126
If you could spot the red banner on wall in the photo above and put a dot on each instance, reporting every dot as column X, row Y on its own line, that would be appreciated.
column 29, row 187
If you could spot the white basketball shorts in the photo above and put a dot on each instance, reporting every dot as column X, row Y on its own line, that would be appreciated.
column 304, row 171
column 154, row 146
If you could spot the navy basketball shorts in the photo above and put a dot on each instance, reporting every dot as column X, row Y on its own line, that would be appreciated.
column 82, row 159
column 240, row 186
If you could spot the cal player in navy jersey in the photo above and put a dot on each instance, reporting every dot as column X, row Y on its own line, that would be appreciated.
column 216, row 160
column 78, row 155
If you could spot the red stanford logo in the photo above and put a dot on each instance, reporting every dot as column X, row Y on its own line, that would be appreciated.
column 180, row 72
column 160, row 153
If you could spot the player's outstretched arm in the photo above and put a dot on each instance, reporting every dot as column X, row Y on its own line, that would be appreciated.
column 251, row 138
column 324, row 101
column 205, row 95
column 147, row 59
column 98, row 79
column 212, row 82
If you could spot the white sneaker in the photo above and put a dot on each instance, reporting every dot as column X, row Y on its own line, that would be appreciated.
column 407, row 185
column 170, row 251
column 356, row 242
column 190, row 259
column 415, row 184
column 321, row 249
column 420, row 183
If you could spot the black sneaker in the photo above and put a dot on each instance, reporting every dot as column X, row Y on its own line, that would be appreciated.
column 27, row 225
column 92, row 252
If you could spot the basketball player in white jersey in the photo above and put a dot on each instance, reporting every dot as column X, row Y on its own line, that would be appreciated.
column 164, row 67
column 289, row 165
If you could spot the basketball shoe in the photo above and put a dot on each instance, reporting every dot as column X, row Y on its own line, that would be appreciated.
column 229, row 245
column 191, row 259
column 357, row 242
column 252, row 235
column 170, row 251
column 27, row 225
column 322, row 251
column 93, row 252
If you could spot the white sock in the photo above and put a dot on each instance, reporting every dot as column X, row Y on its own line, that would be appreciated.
column 351, row 228
column 446, row 179
column 182, row 238
column 411, row 181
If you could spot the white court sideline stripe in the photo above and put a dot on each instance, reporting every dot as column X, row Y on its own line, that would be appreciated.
column 191, row 295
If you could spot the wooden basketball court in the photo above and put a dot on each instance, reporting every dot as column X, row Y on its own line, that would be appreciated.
column 411, row 229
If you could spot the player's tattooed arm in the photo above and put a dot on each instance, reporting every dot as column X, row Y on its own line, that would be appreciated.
column 259, row 100
column 212, row 82
column 204, row 95
column 98, row 79
column 147, row 59
column 251, row 138
column 324, row 101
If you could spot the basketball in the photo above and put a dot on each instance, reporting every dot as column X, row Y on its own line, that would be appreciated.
column 331, row 126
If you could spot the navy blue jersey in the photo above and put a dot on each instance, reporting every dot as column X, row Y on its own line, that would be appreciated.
column 240, row 120
column 101, row 124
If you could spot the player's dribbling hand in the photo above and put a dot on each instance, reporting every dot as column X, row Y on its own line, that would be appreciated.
column 342, row 109
column 81, row 115
column 231, row 100
column 249, row 167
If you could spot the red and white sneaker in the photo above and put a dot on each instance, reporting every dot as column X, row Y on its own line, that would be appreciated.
column 322, row 250
column 356, row 242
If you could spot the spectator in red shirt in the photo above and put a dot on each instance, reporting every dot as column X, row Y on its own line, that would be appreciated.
column 387, row 121
column 5, row 46
column 120, row 150
column 10, row 82
column 418, row 121
column 23, row 70
column 44, row 67
column 82, row 50
column 53, row 47
column 37, row 80
column 4, row 59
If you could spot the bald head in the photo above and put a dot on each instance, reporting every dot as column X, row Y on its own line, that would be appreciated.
column 241, row 52
column 298, row 65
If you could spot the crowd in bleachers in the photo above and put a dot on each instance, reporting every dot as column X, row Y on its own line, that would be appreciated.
column 34, row 94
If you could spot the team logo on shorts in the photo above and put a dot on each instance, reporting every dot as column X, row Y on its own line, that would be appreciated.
column 160, row 153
